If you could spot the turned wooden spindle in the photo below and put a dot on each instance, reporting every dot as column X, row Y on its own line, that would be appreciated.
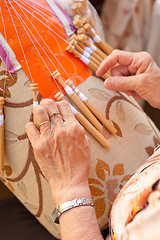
column 83, row 38
column 89, row 63
column 102, row 44
column 82, row 31
column 85, row 123
column 81, row 21
column 78, row 7
column 1, row 134
column 73, row 37
column 84, row 53
column 92, row 108
column 77, row 101
column 34, row 89
column 91, row 50
column 77, row 23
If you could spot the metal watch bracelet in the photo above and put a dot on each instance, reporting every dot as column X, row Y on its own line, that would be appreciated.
column 69, row 205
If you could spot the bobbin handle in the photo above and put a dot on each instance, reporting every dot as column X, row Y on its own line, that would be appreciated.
column 86, row 111
column 100, row 116
column 86, row 124
column 78, row 101
column 34, row 89
column 105, row 47
column 1, row 134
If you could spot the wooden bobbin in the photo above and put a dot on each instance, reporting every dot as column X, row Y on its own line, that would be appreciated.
column 84, row 53
column 77, row 23
column 34, row 89
column 102, row 44
column 56, row 75
column 73, row 37
column 1, row 134
column 77, row 7
column 86, row 124
column 90, row 64
column 81, row 31
column 83, row 20
column 59, row 96
column 83, row 38
column 78, row 101
column 93, row 54
column 94, row 110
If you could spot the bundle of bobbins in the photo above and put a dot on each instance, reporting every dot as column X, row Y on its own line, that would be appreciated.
column 90, row 122
column 93, row 121
column 87, row 45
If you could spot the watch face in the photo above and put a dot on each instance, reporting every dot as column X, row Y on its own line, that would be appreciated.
column 55, row 216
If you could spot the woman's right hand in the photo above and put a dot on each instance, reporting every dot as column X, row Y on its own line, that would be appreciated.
column 134, row 73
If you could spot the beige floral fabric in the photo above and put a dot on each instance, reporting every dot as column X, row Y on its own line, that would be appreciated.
column 133, row 25
column 136, row 138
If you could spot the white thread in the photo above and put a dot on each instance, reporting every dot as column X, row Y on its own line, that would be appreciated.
column 1, row 120
column 20, row 42
column 82, row 97
column 68, row 90
column 93, row 47
column 35, row 103
column 92, row 29
column 90, row 41
column 76, row 90
column 73, row 110
column 89, row 50
column 97, row 39
column 45, row 25
column 86, row 54
column 22, row 22
column 85, row 60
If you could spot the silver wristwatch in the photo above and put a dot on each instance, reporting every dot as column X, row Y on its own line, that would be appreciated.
column 71, row 204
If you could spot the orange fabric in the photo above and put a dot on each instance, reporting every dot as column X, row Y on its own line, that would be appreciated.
column 39, row 43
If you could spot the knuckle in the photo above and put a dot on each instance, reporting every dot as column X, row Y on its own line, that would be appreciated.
column 76, row 128
column 47, row 102
column 63, row 103
column 39, row 110
column 119, row 83
column 147, row 55
column 116, row 52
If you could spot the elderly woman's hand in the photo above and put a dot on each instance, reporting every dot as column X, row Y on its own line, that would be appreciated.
column 134, row 73
column 61, row 149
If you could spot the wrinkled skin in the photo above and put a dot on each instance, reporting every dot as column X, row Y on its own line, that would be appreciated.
column 61, row 148
column 135, row 74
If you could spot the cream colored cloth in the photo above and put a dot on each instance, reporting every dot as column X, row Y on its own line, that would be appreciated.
column 133, row 25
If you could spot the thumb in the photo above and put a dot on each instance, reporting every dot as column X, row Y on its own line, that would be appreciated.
column 120, row 83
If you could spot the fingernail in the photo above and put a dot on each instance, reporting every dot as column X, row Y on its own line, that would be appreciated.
column 108, row 82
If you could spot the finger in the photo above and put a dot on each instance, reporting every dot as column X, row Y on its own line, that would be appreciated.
column 52, row 108
column 42, row 118
column 122, row 83
column 33, row 133
column 116, row 57
column 65, row 111
column 120, row 71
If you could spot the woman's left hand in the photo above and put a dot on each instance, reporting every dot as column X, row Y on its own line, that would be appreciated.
column 61, row 149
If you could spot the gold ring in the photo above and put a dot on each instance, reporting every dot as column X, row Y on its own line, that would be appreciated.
column 40, row 125
column 54, row 113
